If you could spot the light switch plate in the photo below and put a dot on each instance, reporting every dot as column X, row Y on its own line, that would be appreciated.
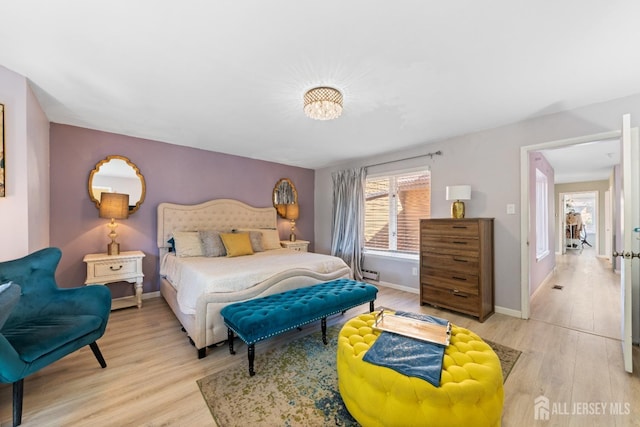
column 511, row 209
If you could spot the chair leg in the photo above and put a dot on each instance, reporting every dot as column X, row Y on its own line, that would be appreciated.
column 18, row 388
column 97, row 354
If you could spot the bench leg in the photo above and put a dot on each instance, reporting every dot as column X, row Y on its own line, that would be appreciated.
column 230, row 339
column 202, row 352
column 371, row 306
column 251, row 353
column 323, row 322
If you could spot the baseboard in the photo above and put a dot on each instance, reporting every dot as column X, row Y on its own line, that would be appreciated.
column 394, row 286
column 508, row 311
column 149, row 295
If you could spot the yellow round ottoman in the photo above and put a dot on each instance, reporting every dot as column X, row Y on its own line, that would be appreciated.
column 470, row 392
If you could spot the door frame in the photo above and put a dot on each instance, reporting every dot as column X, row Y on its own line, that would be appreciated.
column 525, row 223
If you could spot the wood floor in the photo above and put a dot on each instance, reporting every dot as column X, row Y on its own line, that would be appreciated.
column 152, row 370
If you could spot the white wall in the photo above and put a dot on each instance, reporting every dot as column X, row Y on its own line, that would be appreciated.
column 490, row 162
column 38, row 171
column 24, row 211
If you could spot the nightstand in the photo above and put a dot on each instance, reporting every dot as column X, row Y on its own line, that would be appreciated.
column 103, row 269
column 298, row 245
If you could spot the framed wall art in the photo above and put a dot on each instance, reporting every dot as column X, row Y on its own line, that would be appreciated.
column 1, row 150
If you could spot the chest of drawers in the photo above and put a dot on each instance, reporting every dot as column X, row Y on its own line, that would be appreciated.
column 456, row 265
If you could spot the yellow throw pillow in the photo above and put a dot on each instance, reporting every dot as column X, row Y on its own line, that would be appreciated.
column 237, row 244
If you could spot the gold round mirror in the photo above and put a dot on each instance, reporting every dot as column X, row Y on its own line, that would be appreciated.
column 284, row 193
column 117, row 174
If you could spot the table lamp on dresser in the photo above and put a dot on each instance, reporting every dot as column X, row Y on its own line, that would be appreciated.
column 458, row 193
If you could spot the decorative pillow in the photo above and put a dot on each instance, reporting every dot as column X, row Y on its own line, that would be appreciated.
column 212, row 245
column 236, row 244
column 187, row 243
column 270, row 239
column 256, row 241
column 9, row 297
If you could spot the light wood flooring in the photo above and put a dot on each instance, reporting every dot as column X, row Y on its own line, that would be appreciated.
column 151, row 375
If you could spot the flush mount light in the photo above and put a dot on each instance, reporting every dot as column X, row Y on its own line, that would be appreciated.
column 323, row 103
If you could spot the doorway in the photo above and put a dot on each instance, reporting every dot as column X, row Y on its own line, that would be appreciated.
column 578, row 221
column 578, row 161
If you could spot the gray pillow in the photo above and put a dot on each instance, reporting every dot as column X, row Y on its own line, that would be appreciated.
column 212, row 245
column 256, row 241
column 9, row 297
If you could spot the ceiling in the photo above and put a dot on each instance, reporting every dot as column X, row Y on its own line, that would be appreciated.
column 229, row 76
column 590, row 161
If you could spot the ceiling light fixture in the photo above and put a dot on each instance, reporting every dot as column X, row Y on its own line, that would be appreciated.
column 323, row 103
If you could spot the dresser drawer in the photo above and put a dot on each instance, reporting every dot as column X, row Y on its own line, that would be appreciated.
column 465, row 264
column 109, row 268
column 450, row 245
column 459, row 301
column 451, row 281
column 457, row 227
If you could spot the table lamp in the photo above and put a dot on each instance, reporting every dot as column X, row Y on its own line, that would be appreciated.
column 292, row 214
column 457, row 193
column 114, row 206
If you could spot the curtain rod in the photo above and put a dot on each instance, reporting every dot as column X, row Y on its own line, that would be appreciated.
column 430, row 155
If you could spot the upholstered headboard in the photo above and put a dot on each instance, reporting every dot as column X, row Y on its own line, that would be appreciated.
column 219, row 214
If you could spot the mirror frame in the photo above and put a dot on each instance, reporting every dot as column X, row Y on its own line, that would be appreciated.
column 135, row 169
column 281, row 208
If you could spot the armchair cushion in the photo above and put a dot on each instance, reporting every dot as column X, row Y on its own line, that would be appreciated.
column 44, row 335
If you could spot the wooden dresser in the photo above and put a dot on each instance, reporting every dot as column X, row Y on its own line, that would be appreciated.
column 456, row 265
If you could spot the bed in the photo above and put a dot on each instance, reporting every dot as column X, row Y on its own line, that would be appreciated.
column 198, row 287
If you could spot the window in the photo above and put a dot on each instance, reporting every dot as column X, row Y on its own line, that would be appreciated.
column 542, row 215
column 394, row 205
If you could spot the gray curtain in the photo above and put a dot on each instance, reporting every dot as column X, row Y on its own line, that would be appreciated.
column 347, row 233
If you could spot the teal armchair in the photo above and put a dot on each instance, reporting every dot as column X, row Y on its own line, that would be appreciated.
column 45, row 323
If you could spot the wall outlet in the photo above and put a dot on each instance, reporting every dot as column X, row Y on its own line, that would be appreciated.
column 511, row 209
column 414, row 271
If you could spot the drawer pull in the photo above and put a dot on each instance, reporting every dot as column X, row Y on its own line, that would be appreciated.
column 457, row 293
column 459, row 278
column 459, row 243
column 459, row 226
column 460, row 260
column 112, row 268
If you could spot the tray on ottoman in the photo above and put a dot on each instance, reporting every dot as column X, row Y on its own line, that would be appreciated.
column 418, row 329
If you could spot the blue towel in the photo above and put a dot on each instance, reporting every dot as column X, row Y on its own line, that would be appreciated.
column 409, row 356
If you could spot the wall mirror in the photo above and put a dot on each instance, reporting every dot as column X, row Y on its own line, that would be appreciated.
column 284, row 193
column 117, row 174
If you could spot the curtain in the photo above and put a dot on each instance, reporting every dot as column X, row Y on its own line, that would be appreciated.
column 347, row 233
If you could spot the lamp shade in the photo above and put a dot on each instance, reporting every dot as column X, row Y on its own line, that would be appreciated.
column 114, row 205
column 459, row 192
column 293, row 211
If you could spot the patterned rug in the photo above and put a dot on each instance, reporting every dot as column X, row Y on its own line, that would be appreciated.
column 296, row 385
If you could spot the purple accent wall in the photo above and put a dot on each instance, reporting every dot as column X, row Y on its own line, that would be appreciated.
column 172, row 173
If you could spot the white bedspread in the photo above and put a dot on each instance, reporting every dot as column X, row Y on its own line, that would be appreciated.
column 194, row 276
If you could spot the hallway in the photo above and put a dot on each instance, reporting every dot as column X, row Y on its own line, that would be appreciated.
column 589, row 299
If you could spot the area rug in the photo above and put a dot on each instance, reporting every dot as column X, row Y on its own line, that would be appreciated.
column 295, row 385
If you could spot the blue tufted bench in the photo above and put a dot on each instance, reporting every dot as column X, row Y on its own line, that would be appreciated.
column 258, row 319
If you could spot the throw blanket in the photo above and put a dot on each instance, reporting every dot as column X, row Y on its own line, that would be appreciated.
column 409, row 356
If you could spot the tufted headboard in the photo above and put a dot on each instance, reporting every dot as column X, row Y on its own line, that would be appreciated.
column 219, row 214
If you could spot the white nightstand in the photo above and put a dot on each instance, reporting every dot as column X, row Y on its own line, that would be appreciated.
column 298, row 245
column 103, row 269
